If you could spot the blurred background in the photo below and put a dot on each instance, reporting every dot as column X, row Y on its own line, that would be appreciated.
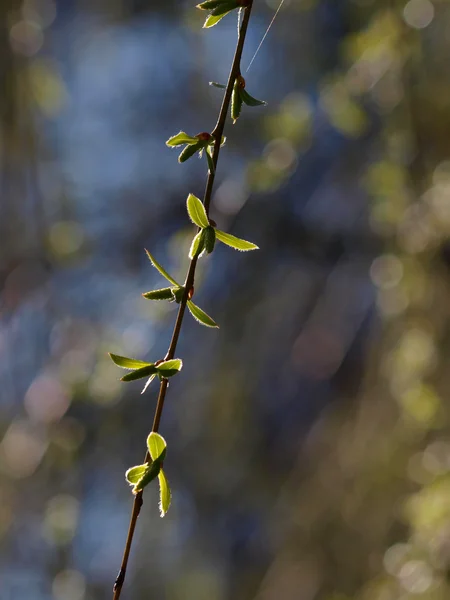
column 308, row 437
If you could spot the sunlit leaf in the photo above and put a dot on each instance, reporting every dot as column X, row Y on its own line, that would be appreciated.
column 149, row 380
column 135, row 473
column 151, row 472
column 165, row 494
column 128, row 363
column 159, row 268
column 212, row 20
column 190, row 151
column 200, row 315
column 197, row 245
column 156, row 445
column 140, row 373
column 250, row 101
column 235, row 242
column 209, row 158
column 236, row 102
column 169, row 368
column 196, row 211
column 180, row 139
column 210, row 4
column 161, row 294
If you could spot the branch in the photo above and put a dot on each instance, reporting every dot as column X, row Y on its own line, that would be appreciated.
column 189, row 283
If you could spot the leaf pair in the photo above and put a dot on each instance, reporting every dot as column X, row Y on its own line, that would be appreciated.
column 192, row 145
column 206, row 238
column 239, row 96
column 219, row 8
column 175, row 293
column 141, row 475
column 140, row 369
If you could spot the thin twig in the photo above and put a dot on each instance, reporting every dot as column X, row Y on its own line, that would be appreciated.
column 189, row 282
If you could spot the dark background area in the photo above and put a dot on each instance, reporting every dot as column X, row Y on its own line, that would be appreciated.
column 308, row 437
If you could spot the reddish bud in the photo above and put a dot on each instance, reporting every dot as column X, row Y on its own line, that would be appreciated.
column 213, row 223
column 191, row 293
column 203, row 137
column 240, row 81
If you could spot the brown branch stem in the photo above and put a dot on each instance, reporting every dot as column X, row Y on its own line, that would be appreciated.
column 189, row 282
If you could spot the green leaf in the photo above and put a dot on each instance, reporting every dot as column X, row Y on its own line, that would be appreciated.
column 209, row 234
column 135, row 473
column 149, row 380
column 235, row 242
column 156, row 445
column 161, row 294
column 169, row 368
column 209, row 158
column 196, row 211
column 159, row 268
column 180, row 139
column 128, row 363
column 178, row 294
column 212, row 20
column 165, row 494
column 250, row 101
column 140, row 373
column 224, row 8
column 236, row 102
column 197, row 245
column 210, row 4
column 218, row 85
column 151, row 472
column 190, row 151
column 200, row 315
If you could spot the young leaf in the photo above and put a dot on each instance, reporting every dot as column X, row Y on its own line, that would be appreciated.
column 127, row 363
column 249, row 100
column 151, row 472
column 209, row 235
column 135, row 473
column 161, row 294
column 196, row 211
column 235, row 242
column 224, row 7
column 212, row 20
column 210, row 4
column 197, row 245
column 169, row 368
column 165, row 494
column 140, row 373
column 200, row 315
column 180, row 139
column 149, row 380
column 209, row 158
column 236, row 102
column 218, row 85
column 178, row 294
column 190, row 151
column 156, row 445
column 159, row 268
